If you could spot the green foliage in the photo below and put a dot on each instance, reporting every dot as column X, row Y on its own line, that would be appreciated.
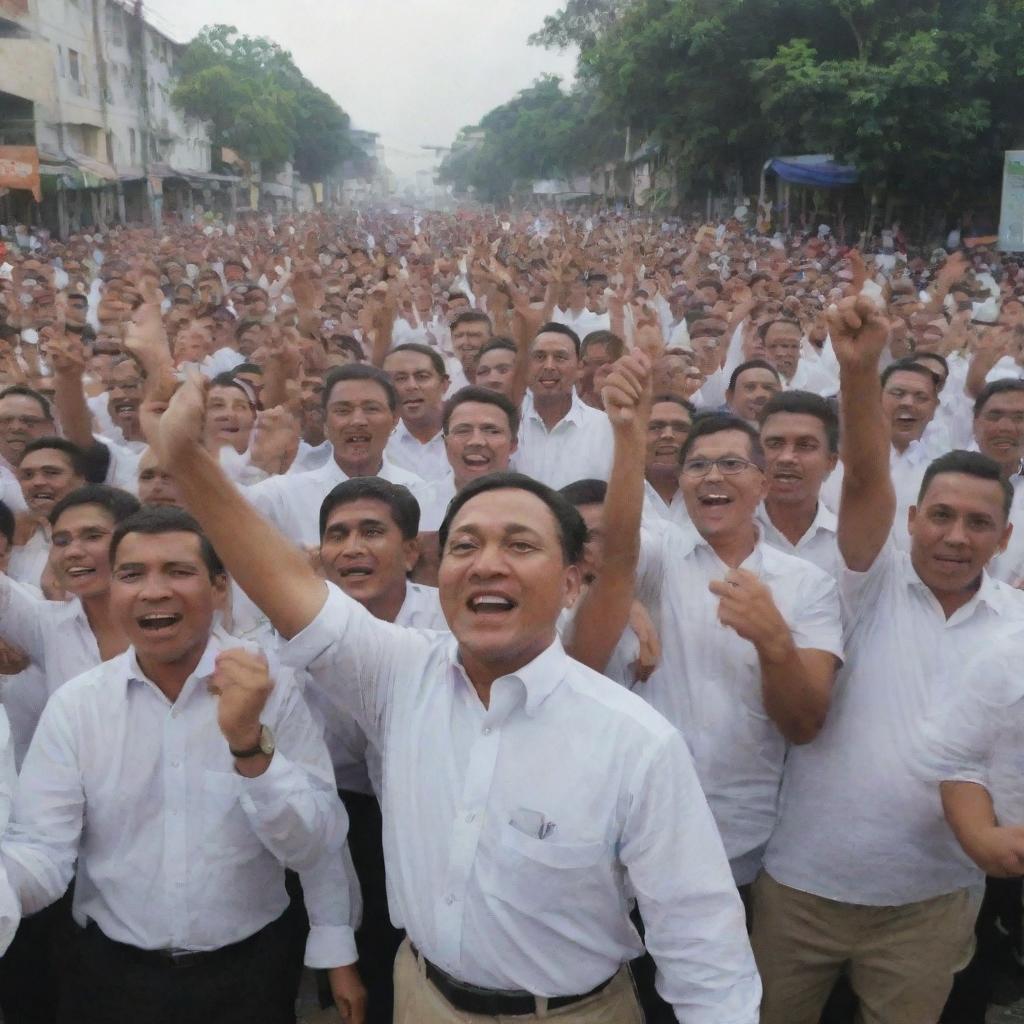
column 922, row 95
column 258, row 102
column 543, row 132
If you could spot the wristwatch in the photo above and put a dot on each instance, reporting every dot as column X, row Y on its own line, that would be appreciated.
column 264, row 746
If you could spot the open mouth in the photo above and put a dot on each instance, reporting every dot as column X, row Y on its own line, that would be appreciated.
column 714, row 500
column 79, row 572
column 490, row 604
column 125, row 408
column 43, row 496
column 476, row 461
column 156, row 621
column 355, row 572
column 786, row 477
column 358, row 439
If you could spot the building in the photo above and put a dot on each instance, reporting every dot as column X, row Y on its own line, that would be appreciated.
column 89, row 83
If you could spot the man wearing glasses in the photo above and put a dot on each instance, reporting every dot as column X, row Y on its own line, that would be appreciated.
column 751, row 636
column 25, row 416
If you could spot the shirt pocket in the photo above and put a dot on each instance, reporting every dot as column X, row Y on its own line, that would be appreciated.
column 542, row 875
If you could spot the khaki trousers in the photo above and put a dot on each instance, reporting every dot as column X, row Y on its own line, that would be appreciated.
column 900, row 960
column 418, row 1002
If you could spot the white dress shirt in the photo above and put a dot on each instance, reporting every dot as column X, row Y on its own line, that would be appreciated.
column 433, row 499
column 582, row 322
column 655, row 507
column 578, row 447
column 857, row 822
column 10, row 489
column 29, row 560
column 514, row 833
column 818, row 545
column 174, row 849
column 1009, row 566
column 292, row 501
column 708, row 683
column 978, row 735
column 10, row 914
column 428, row 461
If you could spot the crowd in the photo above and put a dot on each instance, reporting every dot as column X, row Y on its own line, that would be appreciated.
column 509, row 617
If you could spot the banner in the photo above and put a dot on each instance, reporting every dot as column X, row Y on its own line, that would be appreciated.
column 1011, row 216
column 19, row 168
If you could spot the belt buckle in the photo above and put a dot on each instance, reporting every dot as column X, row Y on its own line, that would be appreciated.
column 179, row 957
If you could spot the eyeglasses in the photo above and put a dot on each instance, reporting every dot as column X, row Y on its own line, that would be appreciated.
column 31, row 422
column 729, row 465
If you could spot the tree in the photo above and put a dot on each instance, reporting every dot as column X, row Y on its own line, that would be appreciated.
column 543, row 132
column 921, row 96
column 257, row 102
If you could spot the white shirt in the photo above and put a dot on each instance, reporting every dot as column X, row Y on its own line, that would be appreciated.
column 578, row 447
column 561, row 752
column 655, row 507
column 357, row 763
column 708, row 683
column 29, row 560
column 9, row 911
column 55, row 635
column 978, row 735
column 582, row 322
column 1009, row 566
column 292, row 502
column 818, row 545
column 428, row 461
column 176, row 850
column 857, row 823
column 434, row 498
column 10, row 489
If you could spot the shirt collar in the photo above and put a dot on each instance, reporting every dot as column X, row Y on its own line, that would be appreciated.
column 129, row 668
column 538, row 679
column 824, row 519
column 574, row 415
column 692, row 540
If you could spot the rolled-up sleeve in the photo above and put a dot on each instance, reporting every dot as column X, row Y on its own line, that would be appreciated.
column 694, row 920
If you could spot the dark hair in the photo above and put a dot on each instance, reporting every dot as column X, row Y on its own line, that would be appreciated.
column 436, row 361
column 405, row 510
column 572, row 531
column 585, row 492
column 156, row 519
column 469, row 316
column 996, row 387
column 502, row 343
column 117, row 503
column 247, row 368
column 246, row 325
column 970, row 464
column 805, row 403
column 7, row 523
column 751, row 364
column 717, row 423
column 77, row 458
column 763, row 329
column 552, row 328
column 360, row 371
column 229, row 380
column 350, row 345
column 685, row 403
column 472, row 393
column 616, row 346
column 27, row 392
column 910, row 365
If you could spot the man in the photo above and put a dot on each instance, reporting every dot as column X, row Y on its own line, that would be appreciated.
column 751, row 385
column 155, row 485
column 480, row 428
column 598, row 350
column 421, row 380
column 496, row 366
column 50, row 468
column 782, row 340
column 560, row 438
column 800, row 437
column 244, row 790
column 669, row 426
column 751, row 636
column 360, row 406
column 583, row 311
column 862, row 875
column 470, row 330
column 24, row 416
column 509, row 884
column 999, row 434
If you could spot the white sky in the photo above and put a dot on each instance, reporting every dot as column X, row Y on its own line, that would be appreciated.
column 414, row 70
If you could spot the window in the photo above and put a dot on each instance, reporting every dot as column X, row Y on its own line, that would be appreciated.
column 73, row 64
column 131, row 145
column 60, row 61
column 110, row 148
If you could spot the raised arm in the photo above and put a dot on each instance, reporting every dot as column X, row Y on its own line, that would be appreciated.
column 605, row 608
column 270, row 569
column 867, row 506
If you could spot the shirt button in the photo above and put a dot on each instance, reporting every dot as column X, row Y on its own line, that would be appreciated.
column 175, row 764
column 470, row 818
column 174, row 713
column 487, row 730
column 449, row 900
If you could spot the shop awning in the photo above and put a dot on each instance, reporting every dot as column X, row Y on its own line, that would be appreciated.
column 815, row 171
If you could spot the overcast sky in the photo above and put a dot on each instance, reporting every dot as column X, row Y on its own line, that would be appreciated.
column 414, row 70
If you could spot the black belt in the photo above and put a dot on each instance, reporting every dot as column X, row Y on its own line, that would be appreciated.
column 172, row 957
column 492, row 1002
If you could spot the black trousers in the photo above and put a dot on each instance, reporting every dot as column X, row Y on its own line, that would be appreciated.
column 107, row 984
column 377, row 941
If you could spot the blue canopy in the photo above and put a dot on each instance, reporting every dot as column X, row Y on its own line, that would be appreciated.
column 817, row 172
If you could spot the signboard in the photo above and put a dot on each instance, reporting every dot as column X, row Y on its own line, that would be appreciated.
column 1011, row 217
column 19, row 168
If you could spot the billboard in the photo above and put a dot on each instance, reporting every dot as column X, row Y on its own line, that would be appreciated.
column 1011, row 216
column 19, row 168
